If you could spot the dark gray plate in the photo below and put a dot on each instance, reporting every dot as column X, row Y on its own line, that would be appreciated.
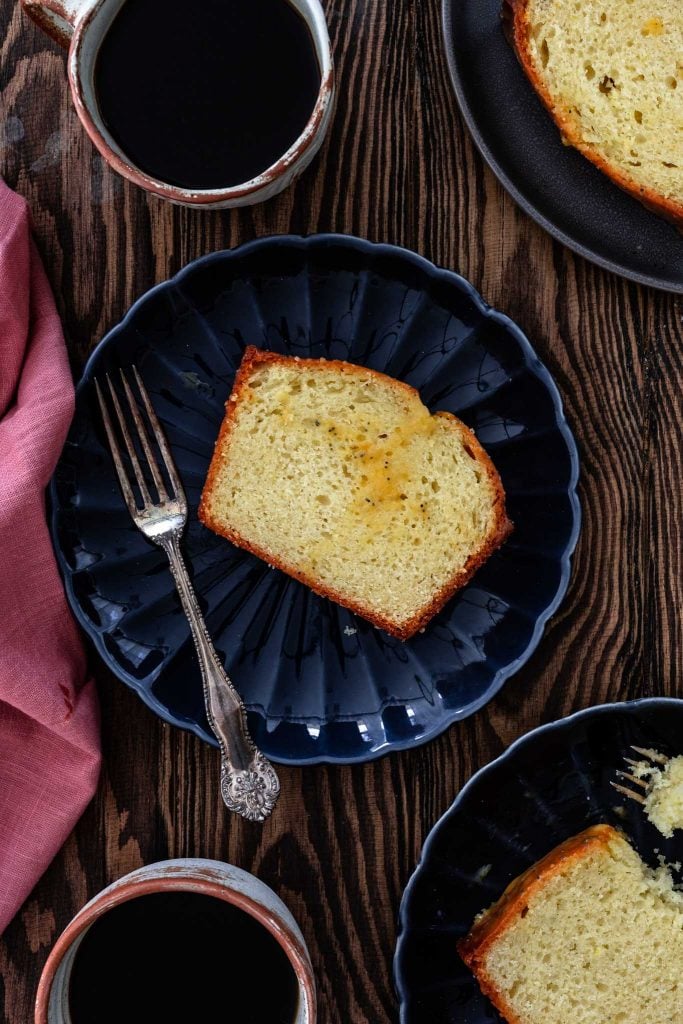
column 557, row 186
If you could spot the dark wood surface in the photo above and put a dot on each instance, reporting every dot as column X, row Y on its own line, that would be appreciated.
column 399, row 167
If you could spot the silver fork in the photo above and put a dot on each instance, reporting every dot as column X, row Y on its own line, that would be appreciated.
column 651, row 755
column 249, row 784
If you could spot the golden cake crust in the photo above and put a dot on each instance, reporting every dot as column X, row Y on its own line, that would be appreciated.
column 498, row 918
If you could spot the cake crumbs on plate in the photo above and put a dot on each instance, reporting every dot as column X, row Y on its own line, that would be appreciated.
column 664, row 799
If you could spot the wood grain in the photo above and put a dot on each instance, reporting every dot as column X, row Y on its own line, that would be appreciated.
column 398, row 167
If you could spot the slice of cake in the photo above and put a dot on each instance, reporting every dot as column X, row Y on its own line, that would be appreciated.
column 611, row 75
column 589, row 935
column 340, row 476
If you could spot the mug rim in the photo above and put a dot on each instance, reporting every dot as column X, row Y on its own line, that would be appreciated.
column 297, row 152
column 185, row 875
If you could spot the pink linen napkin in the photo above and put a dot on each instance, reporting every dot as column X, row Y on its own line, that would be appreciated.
column 49, row 734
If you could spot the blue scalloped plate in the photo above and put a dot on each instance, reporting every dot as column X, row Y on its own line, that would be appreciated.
column 320, row 684
column 549, row 785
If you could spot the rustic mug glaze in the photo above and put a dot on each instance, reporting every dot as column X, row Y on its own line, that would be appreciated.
column 207, row 877
column 81, row 25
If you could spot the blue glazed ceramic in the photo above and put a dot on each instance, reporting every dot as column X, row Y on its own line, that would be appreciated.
column 320, row 684
column 548, row 786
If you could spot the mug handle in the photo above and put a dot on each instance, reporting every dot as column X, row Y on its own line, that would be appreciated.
column 58, row 17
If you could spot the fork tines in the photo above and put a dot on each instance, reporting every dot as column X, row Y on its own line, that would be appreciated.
column 145, row 445
column 635, row 781
column 653, row 756
column 627, row 792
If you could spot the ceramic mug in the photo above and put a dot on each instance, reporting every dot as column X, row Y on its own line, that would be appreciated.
column 208, row 877
column 81, row 26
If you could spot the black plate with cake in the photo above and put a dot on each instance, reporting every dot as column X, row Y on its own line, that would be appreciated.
column 546, row 790
column 619, row 66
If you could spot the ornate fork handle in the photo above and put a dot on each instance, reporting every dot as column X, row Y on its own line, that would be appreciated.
column 249, row 784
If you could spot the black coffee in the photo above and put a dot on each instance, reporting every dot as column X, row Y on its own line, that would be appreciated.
column 181, row 958
column 210, row 93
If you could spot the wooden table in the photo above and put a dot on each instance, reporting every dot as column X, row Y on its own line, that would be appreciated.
column 399, row 167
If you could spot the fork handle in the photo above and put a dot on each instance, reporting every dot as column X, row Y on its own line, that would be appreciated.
column 249, row 784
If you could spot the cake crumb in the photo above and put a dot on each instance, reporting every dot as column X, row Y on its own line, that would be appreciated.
column 483, row 872
column 664, row 800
